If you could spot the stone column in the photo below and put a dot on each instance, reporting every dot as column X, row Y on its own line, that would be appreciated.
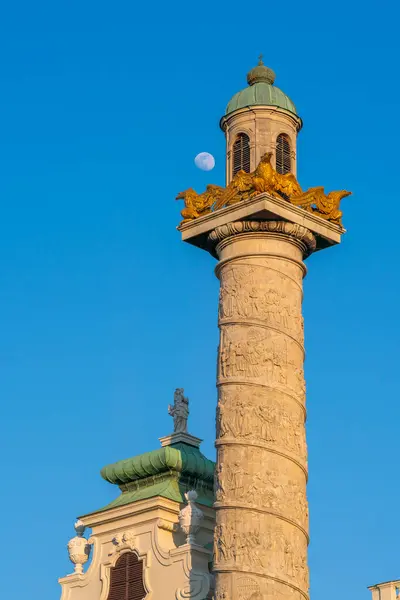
column 261, row 535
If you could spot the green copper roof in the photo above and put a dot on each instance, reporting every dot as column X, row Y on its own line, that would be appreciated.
column 169, row 472
column 260, row 92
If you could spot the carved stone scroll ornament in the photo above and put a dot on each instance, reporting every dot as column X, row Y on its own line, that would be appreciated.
column 167, row 525
column 124, row 541
column 298, row 232
column 190, row 518
column 197, row 589
column 79, row 548
column 264, row 179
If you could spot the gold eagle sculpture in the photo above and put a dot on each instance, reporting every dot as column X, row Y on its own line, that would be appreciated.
column 264, row 179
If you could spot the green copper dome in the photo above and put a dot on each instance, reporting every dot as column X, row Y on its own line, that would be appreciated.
column 261, row 92
column 168, row 472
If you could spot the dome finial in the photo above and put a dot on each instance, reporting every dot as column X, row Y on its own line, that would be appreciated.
column 260, row 73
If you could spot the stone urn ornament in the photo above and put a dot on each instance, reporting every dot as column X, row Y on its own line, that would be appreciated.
column 190, row 517
column 79, row 548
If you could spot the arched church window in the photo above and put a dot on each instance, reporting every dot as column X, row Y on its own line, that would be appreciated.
column 283, row 154
column 126, row 580
column 241, row 154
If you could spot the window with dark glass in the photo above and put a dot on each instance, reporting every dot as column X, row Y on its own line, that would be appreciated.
column 283, row 154
column 126, row 579
column 241, row 154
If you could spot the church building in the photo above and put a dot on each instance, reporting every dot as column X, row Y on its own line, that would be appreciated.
column 155, row 540
column 181, row 526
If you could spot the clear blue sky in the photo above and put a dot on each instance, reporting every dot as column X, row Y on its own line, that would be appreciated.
column 103, row 311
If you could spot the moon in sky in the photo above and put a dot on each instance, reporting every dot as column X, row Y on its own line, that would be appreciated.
column 204, row 161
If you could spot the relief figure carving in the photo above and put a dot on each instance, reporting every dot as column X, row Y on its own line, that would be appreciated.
column 267, row 422
column 261, row 486
column 260, row 419
column 231, row 546
column 299, row 382
column 230, row 479
column 260, row 302
column 278, row 550
column 257, row 355
column 289, row 559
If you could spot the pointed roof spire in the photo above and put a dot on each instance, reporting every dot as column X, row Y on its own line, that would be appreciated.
column 260, row 73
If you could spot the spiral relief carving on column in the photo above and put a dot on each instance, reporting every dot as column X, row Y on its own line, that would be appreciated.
column 261, row 474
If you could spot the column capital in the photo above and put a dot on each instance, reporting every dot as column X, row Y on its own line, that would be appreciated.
column 293, row 230
column 263, row 209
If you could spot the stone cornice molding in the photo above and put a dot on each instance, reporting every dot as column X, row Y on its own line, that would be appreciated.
column 298, row 233
column 261, row 110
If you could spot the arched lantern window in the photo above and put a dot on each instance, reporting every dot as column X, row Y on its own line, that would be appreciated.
column 126, row 580
column 241, row 154
column 283, row 154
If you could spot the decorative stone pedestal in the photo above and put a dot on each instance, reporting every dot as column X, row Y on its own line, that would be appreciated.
column 184, row 438
column 261, row 535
